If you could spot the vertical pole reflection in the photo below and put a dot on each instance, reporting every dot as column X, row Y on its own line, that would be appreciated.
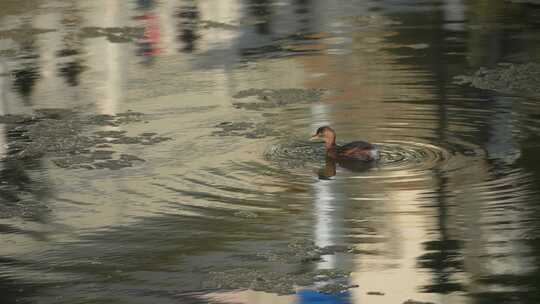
column 3, row 101
column 262, row 10
column 110, row 103
column 104, row 57
column 327, row 221
column 328, row 231
column 328, row 209
column 48, row 46
column 188, row 27
column 167, row 23
column 454, row 15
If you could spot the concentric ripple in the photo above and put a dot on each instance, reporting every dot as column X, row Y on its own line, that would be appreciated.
column 395, row 155
column 296, row 153
column 400, row 162
column 398, row 155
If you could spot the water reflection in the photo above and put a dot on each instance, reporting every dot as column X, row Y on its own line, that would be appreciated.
column 261, row 12
column 188, row 25
column 71, row 51
column 443, row 256
column 449, row 214
column 329, row 169
column 4, row 87
column 148, row 45
column 25, row 76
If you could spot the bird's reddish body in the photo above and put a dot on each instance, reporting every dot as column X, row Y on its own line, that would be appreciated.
column 359, row 150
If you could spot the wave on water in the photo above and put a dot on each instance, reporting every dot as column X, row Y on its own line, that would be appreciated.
column 395, row 155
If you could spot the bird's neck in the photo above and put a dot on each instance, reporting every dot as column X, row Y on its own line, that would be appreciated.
column 331, row 151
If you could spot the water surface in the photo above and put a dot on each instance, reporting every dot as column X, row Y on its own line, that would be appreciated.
column 449, row 215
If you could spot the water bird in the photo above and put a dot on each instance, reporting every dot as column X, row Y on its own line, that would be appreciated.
column 356, row 150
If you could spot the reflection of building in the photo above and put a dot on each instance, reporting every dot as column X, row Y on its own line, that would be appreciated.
column 409, row 218
column 391, row 203
column 65, row 67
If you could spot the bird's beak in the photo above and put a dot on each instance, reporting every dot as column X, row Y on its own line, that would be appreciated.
column 314, row 137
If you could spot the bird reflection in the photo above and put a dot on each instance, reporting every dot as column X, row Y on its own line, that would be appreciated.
column 329, row 169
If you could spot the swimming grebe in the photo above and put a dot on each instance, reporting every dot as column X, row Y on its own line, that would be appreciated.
column 359, row 150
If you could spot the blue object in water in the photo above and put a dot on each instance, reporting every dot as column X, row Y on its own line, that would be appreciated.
column 315, row 297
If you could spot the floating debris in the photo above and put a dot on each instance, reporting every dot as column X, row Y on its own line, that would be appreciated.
column 278, row 282
column 113, row 34
column 207, row 24
column 244, row 129
column 375, row 293
column 25, row 208
column 23, row 35
column 284, row 282
column 274, row 98
column 519, row 79
column 60, row 134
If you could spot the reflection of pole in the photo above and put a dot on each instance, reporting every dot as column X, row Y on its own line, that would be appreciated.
column 48, row 46
column 454, row 14
column 501, row 145
column 3, row 101
column 445, row 247
column 323, row 200
column 325, row 228
column 188, row 26
column 104, row 57
column 167, row 24
column 440, row 276
column 328, row 231
column 327, row 222
column 113, row 84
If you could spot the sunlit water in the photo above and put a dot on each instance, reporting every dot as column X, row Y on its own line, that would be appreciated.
column 449, row 214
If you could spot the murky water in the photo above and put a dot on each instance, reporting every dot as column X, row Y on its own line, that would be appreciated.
column 156, row 151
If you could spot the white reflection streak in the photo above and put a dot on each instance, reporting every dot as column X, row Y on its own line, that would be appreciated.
column 104, row 57
column 113, row 83
column 324, row 221
column 168, row 43
column 224, row 11
column 47, row 46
